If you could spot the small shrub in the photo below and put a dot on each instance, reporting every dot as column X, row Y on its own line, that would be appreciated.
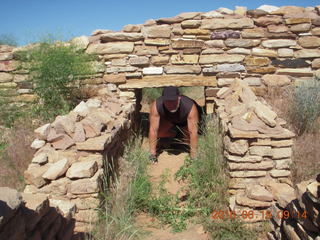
column 55, row 68
column 8, row 39
column 304, row 109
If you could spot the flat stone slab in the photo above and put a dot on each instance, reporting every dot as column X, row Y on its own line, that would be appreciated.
column 172, row 80
column 94, row 144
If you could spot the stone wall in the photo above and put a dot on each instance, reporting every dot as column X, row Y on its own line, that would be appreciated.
column 29, row 216
column 270, row 47
column 257, row 150
column 300, row 218
column 69, row 167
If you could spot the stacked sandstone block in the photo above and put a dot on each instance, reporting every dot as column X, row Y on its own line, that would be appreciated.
column 14, row 84
column 257, row 150
column 72, row 152
column 301, row 219
column 29, row 216
column 270, row 47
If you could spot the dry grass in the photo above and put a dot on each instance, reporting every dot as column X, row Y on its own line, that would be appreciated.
column 16, row 154
column 306, row 149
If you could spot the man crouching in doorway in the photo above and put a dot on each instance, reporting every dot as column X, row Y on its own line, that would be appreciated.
column 169, row 111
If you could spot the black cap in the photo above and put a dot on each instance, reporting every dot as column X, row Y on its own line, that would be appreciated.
column 170, row 93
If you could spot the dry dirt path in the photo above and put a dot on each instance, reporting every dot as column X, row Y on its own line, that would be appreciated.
column 168, row 164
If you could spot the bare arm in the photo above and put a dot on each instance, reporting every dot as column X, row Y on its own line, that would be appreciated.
column 193, row 119
column 154, row 119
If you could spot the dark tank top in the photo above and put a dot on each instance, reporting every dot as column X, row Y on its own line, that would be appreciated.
column 180, row 116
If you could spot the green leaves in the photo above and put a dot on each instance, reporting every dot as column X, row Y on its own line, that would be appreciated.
column 55, row 69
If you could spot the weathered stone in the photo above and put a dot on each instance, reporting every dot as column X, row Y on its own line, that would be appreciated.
column 196, row 31
column 117, row 70
column 145, row 50
column 247, row 174
column 260, row 150
column 257, row 61
column 36, row 144
column 309, row 41
column 221, row 58
column 290, row 63
column 57, row 169
column 290, row 21
column 120, row 36
column 5, row 77
column 225, row 10
column 81, row 109
column 281, row 192
column 160, row 60
column 315, row 31
column 259, row 193
column 6, row 48
column 79, row 133
column 224, row 68
column 183, row 43
column 212, row 51
column 63, row 142
column 139, row 61
column 283, row 164
column 304, row 27
column 268, row 20
column 184, row 59
column 191, row 23
column 277, row 28
column 152, row 71
column 118, row 62
column 238, row 147
column 182, row 69
column 281, row 153
column 40, row 159
column 8, row 66
column 92, row 127
column 43, row 131
column 289, row 231
column 264, row 52
column 245, row 201
column 253, row 33
column 64, row 124
column 131, row 28
column 83, row 169
column 240, row 10
column 276, row 80
column 33, row 175
column 263, row 165
column 66, row 208
column 227, row 23
column 255, row 13
column 84, row 186
column 111, row 47
column 239, row 51
column 278, row 43
column 241, row 43
column 261, row 70
column 157, row 41
column 253, row 81
column 94, row 144
column 316, row 63
column 215, row 44
column 81, row 42
column 265, row 113
column 10, row 200
column 160, row 31
column 172, row 80
column 268, row 8
column 227, row 34
column 280, row 173
column 300, row 72
column 212, row 14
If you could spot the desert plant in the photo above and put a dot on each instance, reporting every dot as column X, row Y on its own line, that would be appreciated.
column 54, row 69
column 8, row 39
column 304, row 107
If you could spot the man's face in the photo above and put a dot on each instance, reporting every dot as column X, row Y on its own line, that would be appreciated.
column 172, row 105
